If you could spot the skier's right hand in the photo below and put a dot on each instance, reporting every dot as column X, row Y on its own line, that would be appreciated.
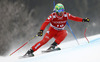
column 40, row 33
column 86, row 20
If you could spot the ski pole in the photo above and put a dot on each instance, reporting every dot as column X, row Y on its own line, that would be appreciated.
column 72, row 32
column 23, row 45
column 85, row 31
column 54, row 6
column 85, row 34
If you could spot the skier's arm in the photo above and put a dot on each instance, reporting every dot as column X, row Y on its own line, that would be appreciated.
column 78, row 19
column 44, row 24
column 74, row 18
column 47, row 21
column 40, row 33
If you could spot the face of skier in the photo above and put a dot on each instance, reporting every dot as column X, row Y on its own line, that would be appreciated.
column 60, row 13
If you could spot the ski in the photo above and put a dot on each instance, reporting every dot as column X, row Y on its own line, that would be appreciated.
column 25, row 57
column 45, row 51
column 56, row 49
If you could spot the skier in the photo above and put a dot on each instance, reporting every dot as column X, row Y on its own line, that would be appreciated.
column 56, row 30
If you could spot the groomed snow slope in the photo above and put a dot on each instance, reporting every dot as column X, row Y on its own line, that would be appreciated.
column 71, row 52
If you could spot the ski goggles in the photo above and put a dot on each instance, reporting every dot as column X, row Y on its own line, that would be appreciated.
column 61, row 10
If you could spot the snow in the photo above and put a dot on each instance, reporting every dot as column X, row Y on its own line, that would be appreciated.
column 71, row 52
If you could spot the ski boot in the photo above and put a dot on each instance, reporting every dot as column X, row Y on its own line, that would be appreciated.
column 29, row 53
column 53, row 48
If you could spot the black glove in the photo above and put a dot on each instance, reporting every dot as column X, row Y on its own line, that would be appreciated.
column 86, row 20
column 40, row 33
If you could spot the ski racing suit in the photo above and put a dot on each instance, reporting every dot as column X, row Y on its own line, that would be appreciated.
column 56, row 29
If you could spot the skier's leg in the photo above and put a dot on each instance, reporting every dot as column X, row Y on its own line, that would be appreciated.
column 60, row 36
column 37, row 46
column 50, row 33
column 40, row 43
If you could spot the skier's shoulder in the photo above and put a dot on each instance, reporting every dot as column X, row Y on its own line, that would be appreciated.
column 53, row 13
column 65, row 12
column 68, row 14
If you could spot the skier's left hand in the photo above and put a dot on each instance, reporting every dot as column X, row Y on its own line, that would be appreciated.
column 40, row 33
column 86, row 20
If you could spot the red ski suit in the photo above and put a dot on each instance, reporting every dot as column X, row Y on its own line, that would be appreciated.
column 56, row 29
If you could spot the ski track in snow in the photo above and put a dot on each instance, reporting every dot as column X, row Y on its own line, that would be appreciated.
column 71, row 52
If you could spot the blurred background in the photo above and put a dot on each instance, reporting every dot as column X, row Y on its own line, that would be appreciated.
column 20, row 20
